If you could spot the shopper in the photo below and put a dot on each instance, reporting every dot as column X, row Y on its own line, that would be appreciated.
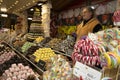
column 89, row 23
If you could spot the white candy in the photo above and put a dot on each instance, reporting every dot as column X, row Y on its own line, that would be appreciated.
column 19, row 76
column 20, row 65
column 22, row 68
column 11, row 69
column 14, row 65
column 9, row 74
column 28, row 74
column 9, row 79
column 26, row 67
column 14, row 78
column 15, row 73
column 30, row 70
column 32, row 73
column 23, row 76
column 7, row 71
column 17, row 69
column 20, row 72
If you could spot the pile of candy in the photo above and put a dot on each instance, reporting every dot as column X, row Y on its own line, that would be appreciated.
column 60, row 70
column 38, row 39
column 87, row 52
column 26, row 46
column 54, row 44
column 111, row 59
column 6, row 56
column 43, row 54
column 67, row 45
column 17, row 72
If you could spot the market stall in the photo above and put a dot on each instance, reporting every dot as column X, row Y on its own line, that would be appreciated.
column 44, row 55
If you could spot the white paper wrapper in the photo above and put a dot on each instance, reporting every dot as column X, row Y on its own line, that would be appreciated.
column 111, row 7
column 101, row 9
column 70, row 13
column 77, row 12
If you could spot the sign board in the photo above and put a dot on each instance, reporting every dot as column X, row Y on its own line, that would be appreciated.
column 86, row 72
column 41, row 64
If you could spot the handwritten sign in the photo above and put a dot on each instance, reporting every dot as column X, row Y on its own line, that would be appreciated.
column 86, row 72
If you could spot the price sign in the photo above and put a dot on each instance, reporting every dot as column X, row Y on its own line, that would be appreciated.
column 41, row 64
column 86, row 72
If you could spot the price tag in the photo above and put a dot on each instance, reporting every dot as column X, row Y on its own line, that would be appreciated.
column 41, row 64
column 86, row 72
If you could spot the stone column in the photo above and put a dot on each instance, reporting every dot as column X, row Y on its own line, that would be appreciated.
column 46, row 18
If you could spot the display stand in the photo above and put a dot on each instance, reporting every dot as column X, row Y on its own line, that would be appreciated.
column 35, row 26
column 39, row 71
column 62, row 53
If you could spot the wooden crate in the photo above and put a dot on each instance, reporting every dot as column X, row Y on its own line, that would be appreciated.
column 112, row 73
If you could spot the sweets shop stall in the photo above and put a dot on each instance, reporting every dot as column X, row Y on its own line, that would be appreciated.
column 36, row 48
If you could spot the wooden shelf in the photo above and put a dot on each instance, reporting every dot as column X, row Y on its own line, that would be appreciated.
column 36, row 22
column 62, row 53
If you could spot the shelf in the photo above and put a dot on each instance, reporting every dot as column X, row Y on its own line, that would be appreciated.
column 68, row 56
column 39, row 71
column 36, row 22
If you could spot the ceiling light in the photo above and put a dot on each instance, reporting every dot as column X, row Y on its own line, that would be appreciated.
column 4, row 9
column 92, row 7
column 29, row 18
column 23, row 6
column 10, row 7
column 16, row 2
column 13, row 5
column 39, row 4
column 4, row 15
column 28, row 3
column 33, row 1
column 32, row 9
column 1, row 0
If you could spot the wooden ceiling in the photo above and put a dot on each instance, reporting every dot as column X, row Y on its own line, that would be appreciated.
column 17, row 5
column 57, row 5
column 60, row 5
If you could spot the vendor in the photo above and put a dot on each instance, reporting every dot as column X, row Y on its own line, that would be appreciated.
column 89, row 23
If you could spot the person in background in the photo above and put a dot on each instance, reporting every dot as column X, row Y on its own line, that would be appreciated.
column 78, row 19
column 89, row 23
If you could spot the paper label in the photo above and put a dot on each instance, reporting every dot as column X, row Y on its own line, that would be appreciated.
column 86, row 72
